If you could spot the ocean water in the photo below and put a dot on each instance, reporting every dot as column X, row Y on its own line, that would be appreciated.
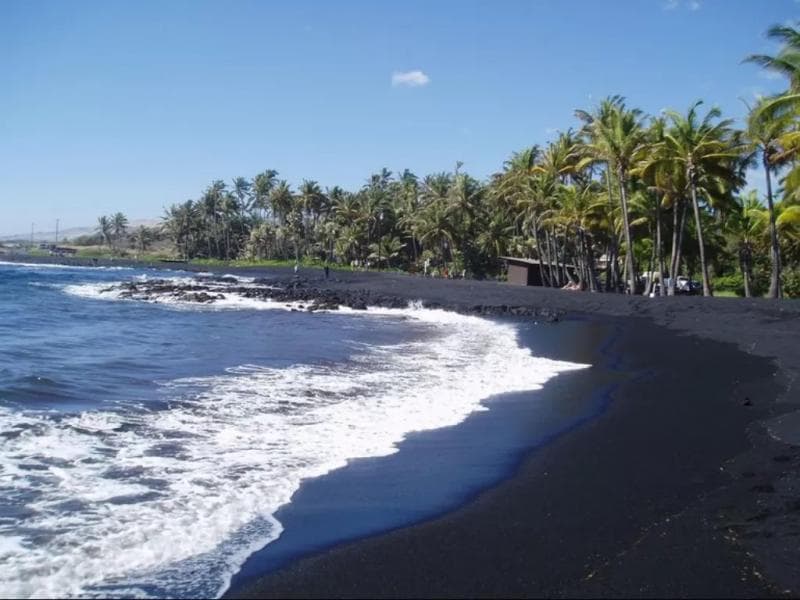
column 146, row 447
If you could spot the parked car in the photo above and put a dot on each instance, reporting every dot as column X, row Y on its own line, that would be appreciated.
column 685, row 286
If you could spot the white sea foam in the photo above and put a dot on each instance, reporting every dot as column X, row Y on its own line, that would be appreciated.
column 156, row 497
column 61, row 267
column 111, row 291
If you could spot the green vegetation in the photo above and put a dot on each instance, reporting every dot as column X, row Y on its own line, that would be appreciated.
column 625, row 198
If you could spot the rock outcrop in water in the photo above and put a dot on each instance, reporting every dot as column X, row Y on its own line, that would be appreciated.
column 305, row 294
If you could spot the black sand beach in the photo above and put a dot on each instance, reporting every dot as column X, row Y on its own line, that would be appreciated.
column 686, row 486
column 660, row 496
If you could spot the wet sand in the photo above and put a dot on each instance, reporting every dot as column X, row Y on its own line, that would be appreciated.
column 683, row 487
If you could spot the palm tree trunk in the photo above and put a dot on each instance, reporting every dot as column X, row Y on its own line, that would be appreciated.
column 581, row 254
column 661, row 291
column 700, row 244
column 567, row 275
column 578, row 259
column 650, row 266
column 745, row 267
column 594, row 285
column 217, row 236
column 631, row 270
column 678, row 218
column 552, row 277
column 775, row 288
column 545, row 279
column 614, row 254
column 555, row 265
column 588, row 265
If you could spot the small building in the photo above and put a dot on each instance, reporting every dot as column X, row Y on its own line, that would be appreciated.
column 523, row 271
column 527, row 271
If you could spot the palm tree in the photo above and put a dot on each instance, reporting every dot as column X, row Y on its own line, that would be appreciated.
column 387, row 248
column 436, row 230
column 281, row 200
column 575, row 214
column 105, row 228
column 142, row 237
column 708, row 153
column 241, row 189
column 787, row 221
column 526, row 187
column 211, row 205
column 660, row 178
column 229, row 208
column 262, row 186
column 119, row 223
column 407, row 207
column 463, row 206
column 743, row 225
column 181, row 222
column 614, row 135
column 764, row 132
column 787, row 61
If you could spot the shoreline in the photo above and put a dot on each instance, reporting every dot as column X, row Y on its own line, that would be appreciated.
column 454, row 465
column 611, row 508
column 732, row 511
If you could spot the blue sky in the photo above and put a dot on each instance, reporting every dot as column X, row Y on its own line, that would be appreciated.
column 132, row 106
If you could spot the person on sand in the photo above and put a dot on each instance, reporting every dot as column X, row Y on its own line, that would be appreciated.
column 296, row 268
column 327, row 271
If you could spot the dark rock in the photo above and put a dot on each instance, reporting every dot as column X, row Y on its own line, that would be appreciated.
column 763, row 488
column 357, row 304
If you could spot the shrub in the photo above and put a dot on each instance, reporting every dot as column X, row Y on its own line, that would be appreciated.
column 730, row 283
column 791, row 283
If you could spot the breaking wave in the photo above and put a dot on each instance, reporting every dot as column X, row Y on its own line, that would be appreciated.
column 170, row 502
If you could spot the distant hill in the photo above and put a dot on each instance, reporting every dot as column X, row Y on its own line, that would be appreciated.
column 71, row 232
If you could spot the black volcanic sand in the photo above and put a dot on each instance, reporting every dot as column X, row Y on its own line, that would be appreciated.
column 438, row 470
column 682, row 487
column 642, row 501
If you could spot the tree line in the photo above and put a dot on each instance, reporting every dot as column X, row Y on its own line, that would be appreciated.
column 619, row 199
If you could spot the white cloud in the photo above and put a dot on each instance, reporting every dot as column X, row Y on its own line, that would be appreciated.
column 692, row 5
column 415, row 78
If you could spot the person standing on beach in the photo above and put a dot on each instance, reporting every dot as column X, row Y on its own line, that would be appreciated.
column 327, row 271
column 296, row 268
